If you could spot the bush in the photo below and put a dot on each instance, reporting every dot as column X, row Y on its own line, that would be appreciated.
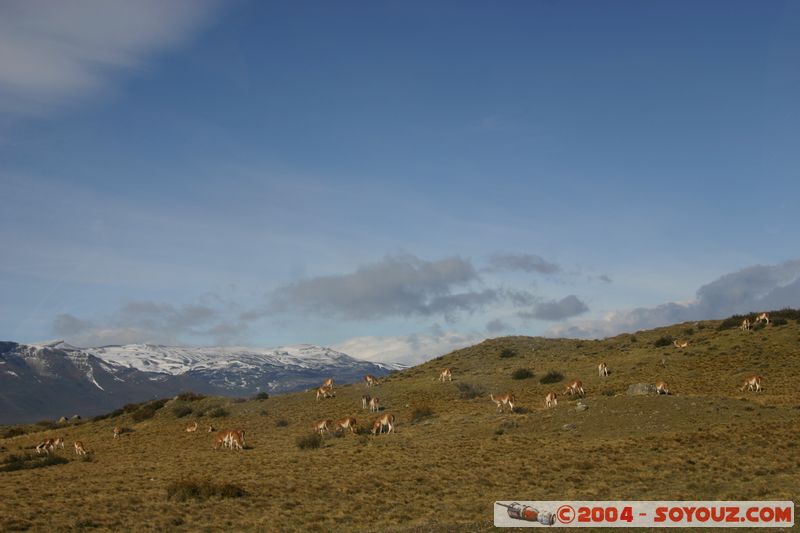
column 22, row 462
column 13, row 432
column 688, row 332
column 552, row 376
column 182, row 411
column 190, row 396
column 202, row 489
column 521, row 373
column 147, row 410
column 731, row 322
column 421, row 413
column 780, row 321
column 469, row 391
column 508, row 352
column 309, row 442
column 282, row 423
column 261, row 396
column 47, row 424
column 665, row 340
column 218, row 412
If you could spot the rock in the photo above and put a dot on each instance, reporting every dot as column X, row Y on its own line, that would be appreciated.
column 76, row 417
column 63, row 420
column 581, row 407
column 568, row 427
column 641, row 389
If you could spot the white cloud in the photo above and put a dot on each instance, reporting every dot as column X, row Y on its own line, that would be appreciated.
column 406, row 349
column 53, row 52
column 756, row 288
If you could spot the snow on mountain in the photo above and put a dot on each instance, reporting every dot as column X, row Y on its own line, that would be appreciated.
column 44, row 379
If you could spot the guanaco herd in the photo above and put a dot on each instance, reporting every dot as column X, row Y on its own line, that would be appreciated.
column 234, row 438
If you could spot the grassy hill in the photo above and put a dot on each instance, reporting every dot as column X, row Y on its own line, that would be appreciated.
column 451, row 456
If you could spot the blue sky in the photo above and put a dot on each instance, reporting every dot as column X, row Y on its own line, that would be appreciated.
column 393, row 180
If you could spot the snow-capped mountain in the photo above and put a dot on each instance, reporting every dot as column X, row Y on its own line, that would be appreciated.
column 52, row 379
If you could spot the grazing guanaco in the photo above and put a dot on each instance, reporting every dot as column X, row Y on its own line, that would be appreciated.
column 574, row 387
column 329, row 383
column 446, row 374
column 79, row 448
column 502, row 401
column 371, row 380
column 346, row 423
column 551, row 400
column 602, row 370
column 211, row 429
column 45, row 446
column 117, row 431
column 365, row 401
column 763, row 317
column 191, row 428
column 745, row 325
column 661, row 388
column 323, row 426
column 752, row 383
column 325, row 392
column 374, row 405
column 382, row 421
column 58, row 442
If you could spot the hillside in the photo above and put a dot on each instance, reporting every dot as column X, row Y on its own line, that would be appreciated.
column 442, row 470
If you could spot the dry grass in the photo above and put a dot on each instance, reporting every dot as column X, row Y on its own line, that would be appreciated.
column 708, row 440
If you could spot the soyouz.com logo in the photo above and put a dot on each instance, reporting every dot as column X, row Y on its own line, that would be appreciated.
column 748, row 514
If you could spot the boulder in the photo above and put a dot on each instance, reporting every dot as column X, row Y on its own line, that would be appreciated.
column 63, row 420
column 641, row 389
column 581, row 406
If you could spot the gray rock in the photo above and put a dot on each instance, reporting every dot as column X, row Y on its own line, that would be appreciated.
column 581, row 407
column 568, row 427
column 641, row 389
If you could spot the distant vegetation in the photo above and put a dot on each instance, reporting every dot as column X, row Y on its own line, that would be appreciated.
column 202, row 489
column 148, row 410
column 469, row 391
column 553, row 376
column 421, row 413
column 664, row 340
column 189, row 396
column 521, row 373
column 309, row 442
column 182, row 411
column 218, row 412
column 261, row 396
column 508, row 352
column 22, row 462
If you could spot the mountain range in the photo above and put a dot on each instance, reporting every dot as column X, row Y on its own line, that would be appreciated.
column 54, row 379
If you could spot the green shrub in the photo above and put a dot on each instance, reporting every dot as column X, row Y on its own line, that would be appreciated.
column 190, row 396
column 469, row 391
column 780, row 321
column 261, row 396
column 218, row 412
column 309, row 442
column 521, row 373
column 202, row 489
column 508, row 352
column 421, row 413
column 553, row 376
column 182, row 411
column 282, row 423
column 21, row 462
column 665, row 340
column 13, row 432
column 148, row 410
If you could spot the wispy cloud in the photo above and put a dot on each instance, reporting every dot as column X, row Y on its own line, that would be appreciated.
column 756, row 288
column 397, row 286
column 523, row 263
column 148, row 321
column 54, row 52
column 556, row 310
